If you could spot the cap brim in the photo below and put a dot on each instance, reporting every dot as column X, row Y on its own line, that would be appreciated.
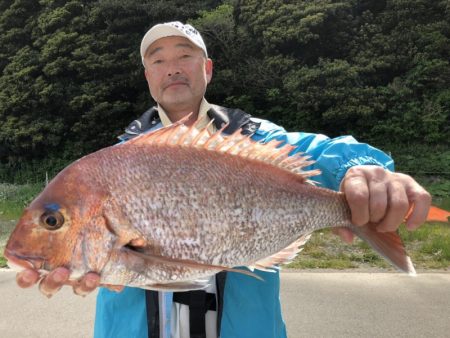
column 158, row 32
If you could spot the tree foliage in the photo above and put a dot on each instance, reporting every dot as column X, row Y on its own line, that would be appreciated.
column 71, row 76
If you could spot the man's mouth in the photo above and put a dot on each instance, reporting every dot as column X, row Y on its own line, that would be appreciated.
column 176, row 84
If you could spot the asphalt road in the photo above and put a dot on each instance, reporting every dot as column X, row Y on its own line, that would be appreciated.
column 315, row 305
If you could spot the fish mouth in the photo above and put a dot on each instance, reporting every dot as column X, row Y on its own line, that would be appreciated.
column 20, row 262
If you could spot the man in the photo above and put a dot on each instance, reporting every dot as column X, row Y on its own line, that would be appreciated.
column 178, row 70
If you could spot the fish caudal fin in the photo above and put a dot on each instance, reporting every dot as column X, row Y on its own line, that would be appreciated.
column 436, row 214
column 387, row 244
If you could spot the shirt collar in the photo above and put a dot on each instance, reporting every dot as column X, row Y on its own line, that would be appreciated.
column 203, row 118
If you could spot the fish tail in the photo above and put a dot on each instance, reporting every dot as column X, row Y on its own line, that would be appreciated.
column 387, row 244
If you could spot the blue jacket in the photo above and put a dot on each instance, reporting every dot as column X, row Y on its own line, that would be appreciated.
column 250, row 308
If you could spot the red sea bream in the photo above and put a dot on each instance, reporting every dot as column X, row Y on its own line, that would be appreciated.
column 170, row 208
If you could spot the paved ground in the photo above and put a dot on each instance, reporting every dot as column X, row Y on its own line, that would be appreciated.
column 315, row 305
column 366, row 305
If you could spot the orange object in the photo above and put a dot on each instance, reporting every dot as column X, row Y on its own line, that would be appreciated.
column 436, row 214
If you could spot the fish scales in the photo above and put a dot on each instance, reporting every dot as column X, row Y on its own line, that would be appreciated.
column 213, row 208
column 174, row 206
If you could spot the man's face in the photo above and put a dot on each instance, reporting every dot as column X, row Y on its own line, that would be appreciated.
column 177, row 72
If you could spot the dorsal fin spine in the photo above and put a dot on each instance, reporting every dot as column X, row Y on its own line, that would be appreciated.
column 185, row 135
column 274, row 152
column 235, row 145
column 172, row 136
column 228, row 145
column 195, row 141
column 216, row 139
column 242, row 151
column 283, row 153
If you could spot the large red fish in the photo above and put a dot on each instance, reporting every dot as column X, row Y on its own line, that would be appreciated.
column 170, row 208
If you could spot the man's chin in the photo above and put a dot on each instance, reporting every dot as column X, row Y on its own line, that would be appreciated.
column 175, row 102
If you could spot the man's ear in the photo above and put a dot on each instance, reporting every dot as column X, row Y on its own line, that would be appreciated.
column 209, row 69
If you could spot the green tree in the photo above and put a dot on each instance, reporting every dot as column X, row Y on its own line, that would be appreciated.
column 71, row 75
column 77, row 80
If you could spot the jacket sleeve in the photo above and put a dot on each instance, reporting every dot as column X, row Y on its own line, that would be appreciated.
column 333, row 157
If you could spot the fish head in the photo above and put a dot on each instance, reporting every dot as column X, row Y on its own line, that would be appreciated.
column 36, row 239
column 64, row 226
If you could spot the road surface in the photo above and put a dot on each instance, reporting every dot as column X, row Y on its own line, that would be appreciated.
column 343, row 304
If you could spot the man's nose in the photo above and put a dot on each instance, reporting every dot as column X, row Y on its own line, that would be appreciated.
column 173, row 68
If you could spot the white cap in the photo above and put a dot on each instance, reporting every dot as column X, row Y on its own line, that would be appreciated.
column 174, row 28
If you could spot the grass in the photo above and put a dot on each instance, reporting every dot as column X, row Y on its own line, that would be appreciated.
column 13, row 199
column 429, row 246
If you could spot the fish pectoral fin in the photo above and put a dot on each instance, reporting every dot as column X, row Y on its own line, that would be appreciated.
column 387, row 244
column 119, row 225
column 285, row 256
column 186, row 263
column 178, row 286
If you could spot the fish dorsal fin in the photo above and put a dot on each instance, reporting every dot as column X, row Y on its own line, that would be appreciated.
column 285, row 256
column 273, row 152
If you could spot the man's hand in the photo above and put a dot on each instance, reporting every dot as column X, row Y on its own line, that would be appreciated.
column 384, row 198
column 54, row 281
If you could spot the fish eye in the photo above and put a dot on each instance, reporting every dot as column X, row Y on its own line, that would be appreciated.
column 52, row 220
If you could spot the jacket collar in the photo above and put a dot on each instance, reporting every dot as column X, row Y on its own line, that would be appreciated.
column 221, row 116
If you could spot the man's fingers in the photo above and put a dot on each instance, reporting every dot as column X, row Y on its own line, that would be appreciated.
column 421, row 200
column 87, row 284
column 378, row 201
column 398, row 207
column 54, row 281
column 356, row 192
column 383, row 198
column 27, row 278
